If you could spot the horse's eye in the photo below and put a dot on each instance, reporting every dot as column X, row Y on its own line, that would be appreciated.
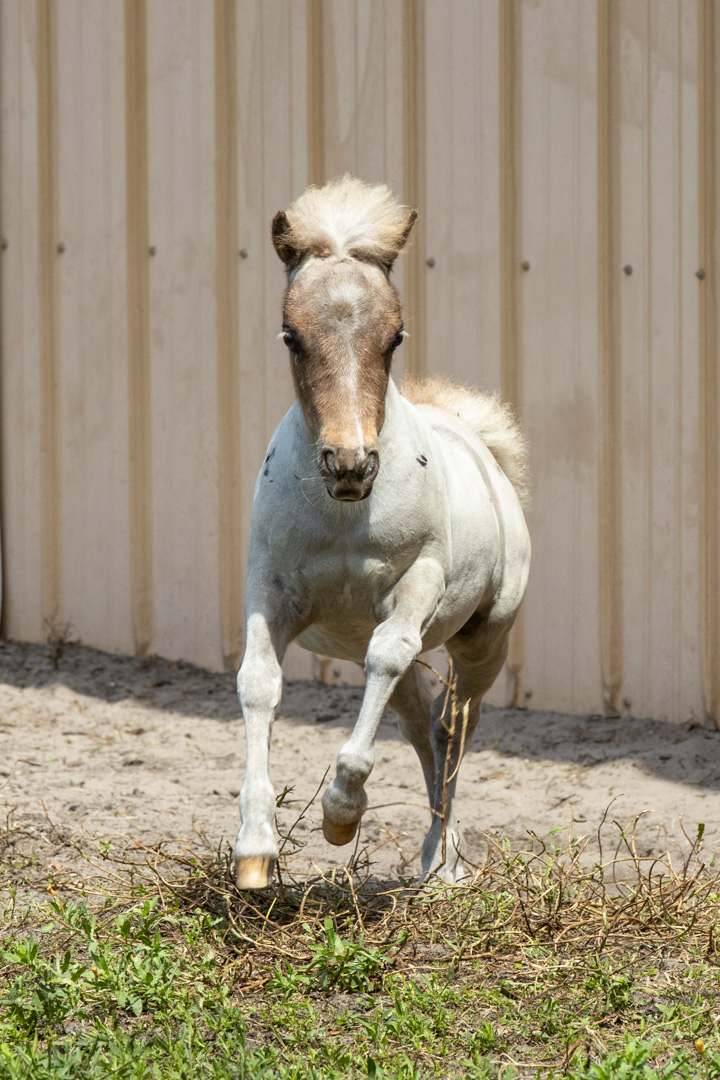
column 397, row 341
column 290, row 340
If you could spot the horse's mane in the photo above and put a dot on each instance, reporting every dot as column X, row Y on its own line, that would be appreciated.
column 349, row 217
column 489, row 418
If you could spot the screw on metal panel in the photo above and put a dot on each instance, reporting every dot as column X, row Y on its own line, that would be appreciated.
column 627, row 269
column 700, row 274
column 525, row 264
column 61, row 246
column 152, row 249
column 3, row 243
column 243, row 253
column 430, row 262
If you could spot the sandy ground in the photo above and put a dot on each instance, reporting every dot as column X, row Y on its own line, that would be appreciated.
column 116, row 748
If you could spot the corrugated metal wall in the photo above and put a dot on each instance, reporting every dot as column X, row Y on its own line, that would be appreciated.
column 564, row 159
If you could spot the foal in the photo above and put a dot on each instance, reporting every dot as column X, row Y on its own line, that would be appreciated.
column 384, row 523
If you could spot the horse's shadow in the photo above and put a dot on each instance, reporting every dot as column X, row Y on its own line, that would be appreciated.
column 685, row 753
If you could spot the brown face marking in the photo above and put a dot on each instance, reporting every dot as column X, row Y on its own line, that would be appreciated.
column 344, row 320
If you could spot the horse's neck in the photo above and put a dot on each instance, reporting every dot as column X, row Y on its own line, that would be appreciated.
column 393, row 416
column 405, row 432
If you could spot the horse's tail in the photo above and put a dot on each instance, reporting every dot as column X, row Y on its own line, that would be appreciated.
column 487, row 416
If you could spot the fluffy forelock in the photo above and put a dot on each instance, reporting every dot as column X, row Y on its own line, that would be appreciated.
column 349, row 217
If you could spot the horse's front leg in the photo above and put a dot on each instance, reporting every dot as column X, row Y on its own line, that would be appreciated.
column 394, row 645
column 270, row 626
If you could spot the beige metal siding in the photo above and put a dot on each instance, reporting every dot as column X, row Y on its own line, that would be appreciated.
column 709, row 244
column 146, row 144
column 89, row 393
column 658, row 353
column 20, row 311
column 558, row 346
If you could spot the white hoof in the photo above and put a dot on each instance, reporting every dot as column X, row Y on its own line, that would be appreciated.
column 254, row 872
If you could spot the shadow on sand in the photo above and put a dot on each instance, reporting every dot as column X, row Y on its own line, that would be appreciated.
column 687, row 753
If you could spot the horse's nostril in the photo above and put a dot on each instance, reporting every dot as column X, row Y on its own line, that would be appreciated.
column 371, row 465
column 349, row 467
column 328, row 460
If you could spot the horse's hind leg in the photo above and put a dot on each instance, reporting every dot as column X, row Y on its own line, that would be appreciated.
column 477, row 660
column 442, row 847
column 412, row 701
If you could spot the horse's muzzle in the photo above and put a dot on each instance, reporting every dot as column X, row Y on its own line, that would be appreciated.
column 348, row 474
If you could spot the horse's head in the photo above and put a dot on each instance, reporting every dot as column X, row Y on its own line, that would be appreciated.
column 342, row 321
column 341, row 324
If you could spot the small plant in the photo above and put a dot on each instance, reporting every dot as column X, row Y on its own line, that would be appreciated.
column 345, row 965
column 59, row 635
column 615, row 989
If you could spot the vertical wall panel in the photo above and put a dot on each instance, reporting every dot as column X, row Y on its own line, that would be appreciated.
column 609, row 525
column 182, row 331
column 462, row 293
column 709, row 377
column 634, row 374
column 672, row 259
column 20, row 344
column 92, row 346
column 226, row 291
column 47, row 210
column 686, row 696
column 285, row 175
column 363, row 90
column 414, row 148
column 138, row 323
column 314, row 39
column 559, row 348
column 659, row 356
column 509, row 162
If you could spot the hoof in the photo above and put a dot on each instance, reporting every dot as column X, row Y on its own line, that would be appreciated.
column 339, row 834
column 254, row 872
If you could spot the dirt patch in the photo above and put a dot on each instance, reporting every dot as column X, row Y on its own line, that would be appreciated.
column 130, row 751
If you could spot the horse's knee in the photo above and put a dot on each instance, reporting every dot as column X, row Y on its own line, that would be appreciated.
column 259, row 684
column 392, row 650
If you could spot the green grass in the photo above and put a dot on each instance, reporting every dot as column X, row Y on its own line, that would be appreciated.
column 540, row 968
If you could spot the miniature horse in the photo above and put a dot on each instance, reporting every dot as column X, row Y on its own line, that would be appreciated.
column 412, row 536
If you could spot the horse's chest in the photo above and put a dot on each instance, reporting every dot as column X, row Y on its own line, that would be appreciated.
column 339, row 588
column 343, row 618
column 343, row 596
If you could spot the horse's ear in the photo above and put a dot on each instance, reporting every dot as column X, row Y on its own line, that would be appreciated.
column 400, row 239
column 282, row 237
column 411, row 219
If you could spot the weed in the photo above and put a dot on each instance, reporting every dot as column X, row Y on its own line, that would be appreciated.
column 59, row 635
column 345, row 965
